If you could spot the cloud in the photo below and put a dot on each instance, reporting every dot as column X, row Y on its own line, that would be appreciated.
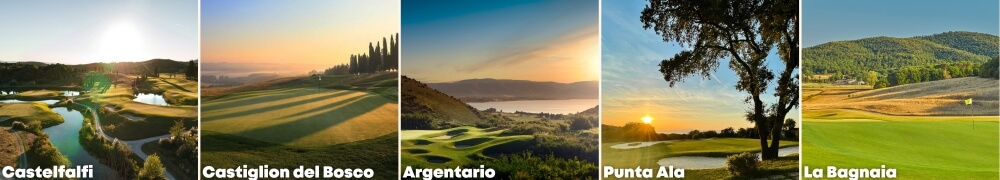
column 555, row 50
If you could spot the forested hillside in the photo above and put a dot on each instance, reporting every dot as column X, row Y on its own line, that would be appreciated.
column 881, row 53
column 889, row 61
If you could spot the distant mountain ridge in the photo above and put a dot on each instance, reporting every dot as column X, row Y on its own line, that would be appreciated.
column 521, row 89
column 881, row 53
column 158, row 65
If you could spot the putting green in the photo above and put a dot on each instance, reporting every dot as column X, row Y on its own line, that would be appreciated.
column 456, row 146
column 938, row 147
column 302, row 116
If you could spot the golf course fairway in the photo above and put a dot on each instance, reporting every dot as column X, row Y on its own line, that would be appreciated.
column 926, row 147
column 301, row 116
column 456, row 146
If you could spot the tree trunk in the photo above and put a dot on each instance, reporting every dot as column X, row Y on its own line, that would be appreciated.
column 772, row 151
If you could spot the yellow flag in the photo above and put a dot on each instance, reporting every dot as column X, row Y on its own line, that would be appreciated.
column 968, row 101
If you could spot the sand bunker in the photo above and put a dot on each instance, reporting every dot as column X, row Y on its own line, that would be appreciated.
column 133, row 117
column 702, row 162
column 633, row 145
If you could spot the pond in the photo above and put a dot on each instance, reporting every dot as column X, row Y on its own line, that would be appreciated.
column 71, row 93
column 49, row 102
column 703, row 162
column 66, row 138
column 150, row 98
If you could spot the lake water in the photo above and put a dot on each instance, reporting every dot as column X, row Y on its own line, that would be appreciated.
column 49, row 102
column 702, row 162
column 71, row 93
column 536, row 106
column 150, row 98
column 66, row 138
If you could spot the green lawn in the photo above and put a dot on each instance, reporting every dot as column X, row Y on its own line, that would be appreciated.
column 917, row 149
column 647, row 157
column 294, row 123
column 227, row 151
column 302, row 116
column 30, row 111
column 456, row 146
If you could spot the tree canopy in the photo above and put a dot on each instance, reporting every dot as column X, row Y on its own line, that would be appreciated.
column 744, row 32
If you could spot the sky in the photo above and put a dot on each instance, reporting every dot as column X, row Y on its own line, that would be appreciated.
column 80, row 32
column 826, row 21
column 316, row 33
column 632, row 86
column 535, row 40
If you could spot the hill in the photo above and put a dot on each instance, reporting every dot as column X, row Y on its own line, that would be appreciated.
column 471, row 89
column 160, row 65
column 630, row 132
column 882, row 53
column 592, row 111
column 420, row 99
column 944, row 97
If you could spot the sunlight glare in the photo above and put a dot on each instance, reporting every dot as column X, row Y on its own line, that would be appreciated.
column 121, row 42
column 647, row 119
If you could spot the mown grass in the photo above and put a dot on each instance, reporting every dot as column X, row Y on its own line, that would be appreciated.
column 782, row 165
column 30, row 112
column 34, row 95
column 177, row 91
column 942, row 148
column 222, row 150
column 432, row 148
column 848, row 115
column 647, row 157
column 156, row 120
column 302, row 116
column 298, row 121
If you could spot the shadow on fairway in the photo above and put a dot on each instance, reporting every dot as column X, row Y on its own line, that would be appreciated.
column 320, row 118
column 271, row 107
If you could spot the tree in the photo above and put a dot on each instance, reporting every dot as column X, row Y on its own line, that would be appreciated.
column 192, row 70
column 152, row 169
column 385, row 56
column 789, row 124
column 395, row 53
column 177, row 130
column 728, row 132
column 871, row 77
column 351, row 65
column 742, row 31
column 369, row 58
column 694, row 134
column 989, row 69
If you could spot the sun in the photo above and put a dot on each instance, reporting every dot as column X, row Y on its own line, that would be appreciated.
column 121, row 42
column 646, row 119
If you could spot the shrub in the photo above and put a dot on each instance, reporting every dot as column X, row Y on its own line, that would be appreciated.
column 43, row 153
column 416, row 121
column 580, row 123
column 18, row 125
column 528, row 166
column 742, row 164
column 152, row 169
